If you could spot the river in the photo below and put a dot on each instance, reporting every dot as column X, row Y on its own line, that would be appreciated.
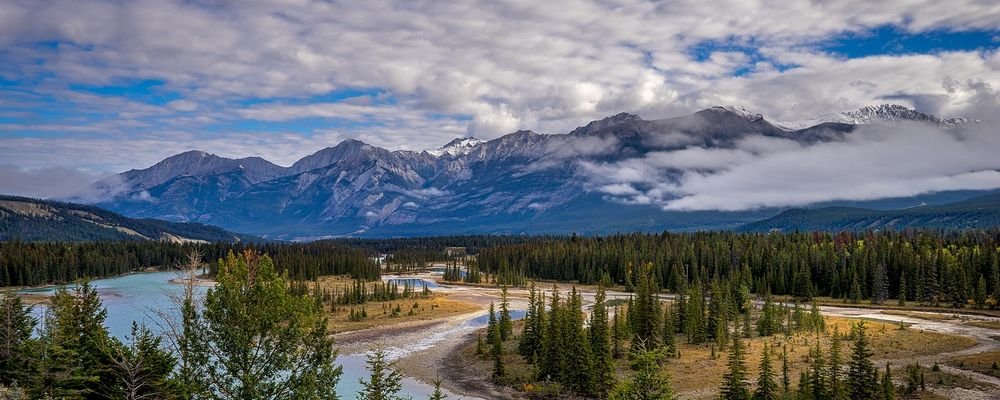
column 141, row 297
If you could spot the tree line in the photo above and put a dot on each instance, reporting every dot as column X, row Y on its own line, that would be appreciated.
column 32, row 264
column 958, row 269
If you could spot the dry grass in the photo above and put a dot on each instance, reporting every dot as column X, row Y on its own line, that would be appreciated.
column 380, row 313
column 697, row 375
column 985, row 324
column 982, row 363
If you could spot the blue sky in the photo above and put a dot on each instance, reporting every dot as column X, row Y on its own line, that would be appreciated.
column 90, row 87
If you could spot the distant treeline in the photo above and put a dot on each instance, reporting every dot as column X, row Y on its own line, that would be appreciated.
column 932, row 267
column 409, row 253
column 31, row 264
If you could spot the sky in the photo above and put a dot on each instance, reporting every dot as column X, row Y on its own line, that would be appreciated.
column 94, row 87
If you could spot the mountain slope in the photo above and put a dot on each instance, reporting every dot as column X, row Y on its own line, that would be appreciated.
column 520, row 182
column 40, row 220
column 977, row 212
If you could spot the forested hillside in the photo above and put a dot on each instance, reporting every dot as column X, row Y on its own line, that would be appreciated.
column 42, row 220
column 982, row 211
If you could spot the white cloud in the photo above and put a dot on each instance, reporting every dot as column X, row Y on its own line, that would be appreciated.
column 870, row 163
column 43, row 182
column 448, row 69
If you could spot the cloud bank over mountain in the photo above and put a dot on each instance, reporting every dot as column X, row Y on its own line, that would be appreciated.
column 872, row 162
column 108, row 85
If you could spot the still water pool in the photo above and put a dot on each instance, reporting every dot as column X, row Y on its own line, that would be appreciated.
column 143, row 297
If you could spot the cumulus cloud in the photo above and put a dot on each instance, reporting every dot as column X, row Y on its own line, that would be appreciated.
column 872, row 162
column 253, row 78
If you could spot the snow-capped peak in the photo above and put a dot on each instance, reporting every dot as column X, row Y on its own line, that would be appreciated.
column 885, row 114
column 740, row 111
column 458, row 146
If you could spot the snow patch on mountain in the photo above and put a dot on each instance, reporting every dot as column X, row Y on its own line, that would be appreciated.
column 882, row 114
column 740, row 111
column 457, row 147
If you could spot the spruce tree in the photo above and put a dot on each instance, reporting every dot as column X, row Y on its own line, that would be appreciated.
column 817, row 382
column 385, row 381
column 902, row 290
column 767, row 389
column 141, row 368
column 529, row 341
column 438, row 394
column 553, row 345
column 734, row 385
column 862, row 378
column 506, row 324
column 785, row 379
column 600, row 344
column 16, row 325
column 73, row 344
column 694, row 318
column 578, row 371
column 669, row 330
column 264, row 338
column 647, row 321
column 888, row 389
column 834, row 375
column 496, row 351
column 648, row 381
column 492, row 328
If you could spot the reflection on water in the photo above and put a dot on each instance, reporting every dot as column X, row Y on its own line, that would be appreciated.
column 140, row 297
column 415, row 283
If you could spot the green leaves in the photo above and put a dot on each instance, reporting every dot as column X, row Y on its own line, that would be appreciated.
column 260, row 340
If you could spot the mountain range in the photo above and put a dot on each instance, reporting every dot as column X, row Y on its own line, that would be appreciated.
column 523, row 182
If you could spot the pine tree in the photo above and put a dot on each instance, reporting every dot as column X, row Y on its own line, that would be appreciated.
column 785, row 379
column 16, row 325
column 694, row 318
column 734, row 385
column 385, row 381
column 75, row 361
column 262, row 336
column 834, row 375
column 553, row 345
column 902, row 290
column 669, row 330
column 492, row 328
column 817, row 382
column 862, row 378
column 646, row 320
column 648, row 382
column 141, row 368
column 600, row 344
column 888, row 390
column 767, row 389
column 980, row 294
column 880, row 284
column 580, row 365
column 617, row 334
column 529, row 342
column 437, row 394
column 506, row 324
column 718, row 312
column 496, row 351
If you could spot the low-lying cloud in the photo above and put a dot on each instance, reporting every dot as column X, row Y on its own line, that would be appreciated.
column 873, row 162
column 43, row 182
